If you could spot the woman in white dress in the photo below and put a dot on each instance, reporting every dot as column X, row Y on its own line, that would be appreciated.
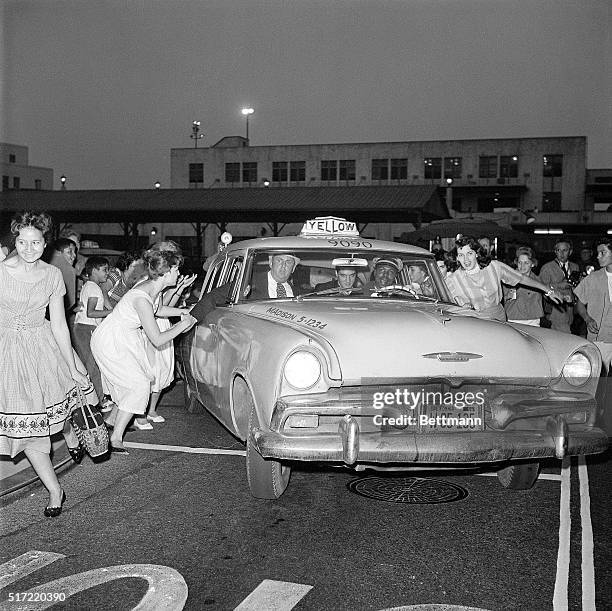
column 122, row 351
column 162, row 357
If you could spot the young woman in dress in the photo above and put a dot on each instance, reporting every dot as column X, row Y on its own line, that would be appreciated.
column 123, row 354
column 37, row 367
column 480, row 287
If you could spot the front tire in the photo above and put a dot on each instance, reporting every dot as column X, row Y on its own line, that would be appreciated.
column 267, row 478
column 521, row 476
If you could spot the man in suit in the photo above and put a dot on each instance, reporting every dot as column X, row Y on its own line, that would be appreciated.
column 556, row 274
column 277, row 282
column 344, row 282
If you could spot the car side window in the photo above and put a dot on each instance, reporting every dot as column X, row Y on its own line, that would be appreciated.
column 214, row 276
column 232, row 275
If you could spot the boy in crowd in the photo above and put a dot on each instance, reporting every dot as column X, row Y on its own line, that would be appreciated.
column 94, row 308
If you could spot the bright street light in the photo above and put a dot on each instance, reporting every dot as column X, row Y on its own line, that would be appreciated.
column 195, row 135
column 246, row 112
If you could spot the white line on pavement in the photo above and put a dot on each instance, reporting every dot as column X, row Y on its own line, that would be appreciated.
column 274, row 596
column 560, row 601
column 553, row 477
column 588, row 564
column 189, row 450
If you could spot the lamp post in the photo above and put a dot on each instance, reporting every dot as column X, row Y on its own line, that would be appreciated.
column 195, row 135
column 247, row 112
column 63, row 181
column 449, row 193
column 157, row 184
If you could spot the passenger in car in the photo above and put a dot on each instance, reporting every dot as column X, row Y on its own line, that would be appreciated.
column 278, row 282
column 344, row 282
column 420, row 281
column 384, row 273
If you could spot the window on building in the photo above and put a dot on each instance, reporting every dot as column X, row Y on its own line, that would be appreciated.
column 399, row 169
column 551, row 201
column 329, row 169
column 12, row 158
column 5, row 183
column 38, row 184
column 232, row 172
column 508, row 166
column 452, row 167
column 552, row 165
column 432, row 167
column 380, row 169
column 249, row 171
column 279, row 171
column 16, row 182
column 297, row 171
column 347, row 169
column 487, row 166
column 196, row 172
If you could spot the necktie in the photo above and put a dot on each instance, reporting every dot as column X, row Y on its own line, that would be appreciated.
column 565, row 271
column 280, row 290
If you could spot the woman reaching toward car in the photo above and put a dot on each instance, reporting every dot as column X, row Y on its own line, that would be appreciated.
column 480, row 286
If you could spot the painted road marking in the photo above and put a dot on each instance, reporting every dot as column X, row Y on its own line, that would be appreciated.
column 23, row 565
column 553, row 477
column 563, row 554
column 588, row 563
column 187, row 449
column 274, row 596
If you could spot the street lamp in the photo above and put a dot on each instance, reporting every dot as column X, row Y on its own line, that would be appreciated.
column 246, row 112
column 63, row 181
column 449, row 193
column 157, row 184
column 195, row 128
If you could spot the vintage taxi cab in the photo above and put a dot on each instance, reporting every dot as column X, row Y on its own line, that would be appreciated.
column 352, row 373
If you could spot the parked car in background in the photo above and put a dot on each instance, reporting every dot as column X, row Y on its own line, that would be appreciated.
column 395, row 377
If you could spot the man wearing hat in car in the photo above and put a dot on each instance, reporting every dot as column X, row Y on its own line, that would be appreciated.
column 277, row 282
column 384, row 273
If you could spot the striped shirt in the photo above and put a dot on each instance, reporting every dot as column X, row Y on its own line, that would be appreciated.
column 483, row 289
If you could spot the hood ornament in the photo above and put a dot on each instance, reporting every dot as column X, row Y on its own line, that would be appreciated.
column 456, row 357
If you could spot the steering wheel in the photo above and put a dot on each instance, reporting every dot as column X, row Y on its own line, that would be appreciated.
column 396, row 287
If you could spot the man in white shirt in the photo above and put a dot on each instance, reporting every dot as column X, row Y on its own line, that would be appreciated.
column 282, row 267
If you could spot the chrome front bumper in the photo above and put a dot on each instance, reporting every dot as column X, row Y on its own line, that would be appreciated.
column 350, row 444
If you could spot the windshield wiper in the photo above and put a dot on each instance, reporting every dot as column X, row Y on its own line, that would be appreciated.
column 335, row 291
column 403, row 291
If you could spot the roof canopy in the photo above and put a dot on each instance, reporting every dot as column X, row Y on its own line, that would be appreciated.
column 367, row 204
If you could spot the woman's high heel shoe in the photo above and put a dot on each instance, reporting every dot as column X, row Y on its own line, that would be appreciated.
column 53, row 512
column 77, row 453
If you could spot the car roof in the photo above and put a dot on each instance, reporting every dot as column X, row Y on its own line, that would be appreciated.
column 322, row 242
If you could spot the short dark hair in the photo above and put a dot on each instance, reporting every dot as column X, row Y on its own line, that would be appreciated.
column 606, row 241
column 467, row 240
column 127, row 258
column 38, row 220
column 95, row 262
column 159, row 262
column 62, row 243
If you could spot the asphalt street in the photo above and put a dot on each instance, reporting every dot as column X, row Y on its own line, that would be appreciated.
column 173, row 525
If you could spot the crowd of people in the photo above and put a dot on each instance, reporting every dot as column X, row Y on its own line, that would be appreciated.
column 73, row 326
column 69, row 332
column 566, row 296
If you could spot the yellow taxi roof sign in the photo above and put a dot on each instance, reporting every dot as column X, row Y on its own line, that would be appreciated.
column 329, row 225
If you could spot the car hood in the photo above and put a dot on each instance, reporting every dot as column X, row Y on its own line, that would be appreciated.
column 390, row 339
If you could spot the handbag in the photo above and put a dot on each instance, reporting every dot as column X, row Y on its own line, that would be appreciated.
column 89, row 426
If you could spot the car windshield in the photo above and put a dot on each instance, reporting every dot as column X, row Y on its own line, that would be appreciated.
column 319, row 273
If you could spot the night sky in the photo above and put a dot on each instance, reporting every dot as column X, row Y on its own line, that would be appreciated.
column 101, row 90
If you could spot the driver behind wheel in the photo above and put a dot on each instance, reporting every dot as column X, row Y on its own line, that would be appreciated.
column 384, row 273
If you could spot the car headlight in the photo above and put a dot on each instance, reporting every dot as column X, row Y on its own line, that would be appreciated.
column 577, row 369
column 302, row 369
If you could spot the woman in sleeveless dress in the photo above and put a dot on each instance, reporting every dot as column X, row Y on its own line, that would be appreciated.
column 37, row 367
column 122, row 351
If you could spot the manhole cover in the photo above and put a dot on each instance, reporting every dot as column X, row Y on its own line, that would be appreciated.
column 416, row 490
